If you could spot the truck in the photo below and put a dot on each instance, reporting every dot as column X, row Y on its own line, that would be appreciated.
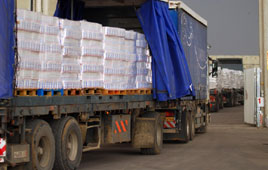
column 215, row 92
column 235, row 95
column 52, row 132
column 231, row 92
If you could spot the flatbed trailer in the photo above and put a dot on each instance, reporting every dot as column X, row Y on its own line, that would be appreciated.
column 98, row 120
column 52, row 131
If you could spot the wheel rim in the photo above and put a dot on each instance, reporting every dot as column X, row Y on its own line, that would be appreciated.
column 72, row 145
column 188, row 129
column 193, row 126
column 43, row 151
column 158, row 135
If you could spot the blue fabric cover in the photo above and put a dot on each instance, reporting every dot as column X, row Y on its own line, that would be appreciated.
column 193, row 35
column 6, row 48
column 171, row 76
column 63, row 9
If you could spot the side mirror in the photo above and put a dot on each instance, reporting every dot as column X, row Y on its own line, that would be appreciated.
column 214, row 68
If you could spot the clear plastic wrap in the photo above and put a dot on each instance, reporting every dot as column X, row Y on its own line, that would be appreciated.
column 112, row 31
column 58, row 53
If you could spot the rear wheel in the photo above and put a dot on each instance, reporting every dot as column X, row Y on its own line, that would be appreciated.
column 217, row 103
column 42, row 144
column 192, row 127
column 221, row 101
column 158, row 135
column 186, row 126
column 68, row 143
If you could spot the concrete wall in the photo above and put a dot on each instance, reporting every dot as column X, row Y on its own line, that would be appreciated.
column 46, row 7
column 248, row 61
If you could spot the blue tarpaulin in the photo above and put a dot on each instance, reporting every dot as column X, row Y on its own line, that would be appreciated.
column 63, row 9
column 6, row 48
column 171, row 76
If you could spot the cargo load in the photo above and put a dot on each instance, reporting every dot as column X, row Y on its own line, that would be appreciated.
column 230, row 79
column 63, row 54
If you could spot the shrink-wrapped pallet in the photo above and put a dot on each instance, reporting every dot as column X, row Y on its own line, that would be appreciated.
column 92, row 58
column 71, row 36
column 144, row 70
column 115, row 61
column 38, row 46
column 230, row 79
column 58, row 53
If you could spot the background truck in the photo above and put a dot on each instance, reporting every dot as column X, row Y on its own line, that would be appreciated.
column 229, row 76
column 215, row 91
column 235, row 95
column 52, row 131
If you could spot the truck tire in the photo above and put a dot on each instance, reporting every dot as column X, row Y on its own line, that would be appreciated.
column 186, row 127
column 203, row 129
column 217, row 104
column 192, row 126
column 158, row 133
column 221, row 102
column 68, row 141
column 42, row 145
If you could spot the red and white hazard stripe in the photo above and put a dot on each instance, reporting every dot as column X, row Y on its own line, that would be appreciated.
column 2, row 149
column 169, row 124
column 120, row 126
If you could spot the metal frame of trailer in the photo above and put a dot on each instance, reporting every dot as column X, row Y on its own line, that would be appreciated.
column 98, row 115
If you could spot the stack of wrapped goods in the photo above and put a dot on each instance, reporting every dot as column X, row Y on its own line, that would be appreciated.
column 226, row 78
column 144, row 60
column 39, row 51
column 115, row 60
column 131, row 58
column 219, row 80
column 50, row 54
column 92, row 55
column 239, row 80
column 70, row 40
column 212, row 82
column 230, row 79
column 62, row 54
column 29, row 63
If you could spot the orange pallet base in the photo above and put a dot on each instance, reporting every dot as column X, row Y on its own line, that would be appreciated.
column 25, row 92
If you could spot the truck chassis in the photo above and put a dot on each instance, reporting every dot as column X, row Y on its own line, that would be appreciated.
column 84, row 123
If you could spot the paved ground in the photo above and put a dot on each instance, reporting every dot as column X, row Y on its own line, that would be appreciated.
column 228, row 145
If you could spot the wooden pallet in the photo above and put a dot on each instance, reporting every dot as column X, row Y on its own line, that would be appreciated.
column 50, row 92
column 92, row 91
column 73, row 92
column 25, row 92
column 113, row 92
column 126, row 92
column 139, row 91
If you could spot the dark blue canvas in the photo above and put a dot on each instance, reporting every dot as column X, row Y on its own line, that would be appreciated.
column 63, row 9
column 6, row 48
column 171, row 76
column 193, row 35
